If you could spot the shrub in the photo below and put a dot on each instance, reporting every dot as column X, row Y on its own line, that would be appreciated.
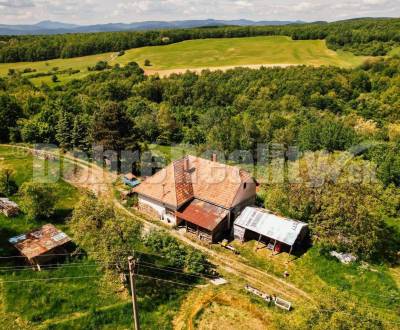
column 178, row 255
column 100, row 66
column 7, row 184
column 38, row 199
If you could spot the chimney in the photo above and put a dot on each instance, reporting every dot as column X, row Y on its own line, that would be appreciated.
column 214, row 157
column 186, row 164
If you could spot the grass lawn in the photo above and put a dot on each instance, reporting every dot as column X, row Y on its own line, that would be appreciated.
column 201, row 54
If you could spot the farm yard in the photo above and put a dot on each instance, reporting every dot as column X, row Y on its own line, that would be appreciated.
column 68, row 293
column 197, row 55
column 367, row 292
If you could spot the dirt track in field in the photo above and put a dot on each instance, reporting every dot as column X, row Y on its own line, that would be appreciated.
column 166, row 73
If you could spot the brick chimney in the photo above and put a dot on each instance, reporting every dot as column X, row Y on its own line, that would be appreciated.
column 214, row 157
column 186, row 164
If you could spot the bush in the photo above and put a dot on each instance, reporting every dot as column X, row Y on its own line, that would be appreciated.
column 147, row 62
column 178, row 255
column 38, row 199
column 7, row 185
column 100, row 66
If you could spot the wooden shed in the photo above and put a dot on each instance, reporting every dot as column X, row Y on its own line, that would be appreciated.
column 41, row 245
column 274, row 230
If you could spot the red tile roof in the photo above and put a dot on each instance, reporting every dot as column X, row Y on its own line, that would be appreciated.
column 204, row 179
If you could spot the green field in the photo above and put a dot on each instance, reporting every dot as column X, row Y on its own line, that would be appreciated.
column 204, row 53
column 63, row 296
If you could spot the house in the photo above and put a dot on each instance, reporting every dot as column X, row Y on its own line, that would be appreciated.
column 277, row 232
column 8, row 208
column 200, row 195
column 41, row 245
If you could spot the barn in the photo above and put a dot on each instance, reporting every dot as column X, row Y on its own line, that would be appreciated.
column 275, row 231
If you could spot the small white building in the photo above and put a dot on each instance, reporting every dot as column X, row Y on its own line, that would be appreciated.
column 257, row 223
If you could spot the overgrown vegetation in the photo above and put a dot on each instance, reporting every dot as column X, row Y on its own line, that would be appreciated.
column 38, row 199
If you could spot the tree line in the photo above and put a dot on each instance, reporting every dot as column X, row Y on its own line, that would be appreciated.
column 362, row 37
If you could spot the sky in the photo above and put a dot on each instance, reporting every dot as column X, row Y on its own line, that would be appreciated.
column 88, row 12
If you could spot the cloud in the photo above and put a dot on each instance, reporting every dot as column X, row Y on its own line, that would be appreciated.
column 17, row 3
column 105, row 11
column 375, row 2
column 243, row 3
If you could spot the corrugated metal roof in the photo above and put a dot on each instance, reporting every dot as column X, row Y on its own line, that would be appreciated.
column 39, row 241
column 267, row 224
column 203, row 214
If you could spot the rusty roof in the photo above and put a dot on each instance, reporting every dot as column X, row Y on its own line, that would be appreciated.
column 203, row 214
column 204, row 179
column 39, row 241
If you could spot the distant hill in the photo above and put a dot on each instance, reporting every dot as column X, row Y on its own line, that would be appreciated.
column 51, row 27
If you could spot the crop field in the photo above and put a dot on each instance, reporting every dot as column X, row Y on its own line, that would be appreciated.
column 198, row 54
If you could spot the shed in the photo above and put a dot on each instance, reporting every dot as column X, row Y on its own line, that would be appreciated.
column 8, row 208
column 206, row 220
column 41, row 244
column 257, row 222
column 130, row 180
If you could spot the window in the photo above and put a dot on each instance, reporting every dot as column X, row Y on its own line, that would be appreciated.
column 245, row 185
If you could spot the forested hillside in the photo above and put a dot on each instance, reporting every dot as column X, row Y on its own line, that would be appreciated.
column 310, row 108
column 362, row 37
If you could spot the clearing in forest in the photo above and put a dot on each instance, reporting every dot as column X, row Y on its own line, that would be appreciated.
column 200, row 54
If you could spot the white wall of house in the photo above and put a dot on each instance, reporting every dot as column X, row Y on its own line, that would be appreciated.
column 159, row 208
column 246, row 191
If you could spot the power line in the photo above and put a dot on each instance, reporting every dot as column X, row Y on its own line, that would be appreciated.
column 18, row 268
column 81, row 265
column 50, row 279
column 92, row 276
column 159, row 279
column 169, row 281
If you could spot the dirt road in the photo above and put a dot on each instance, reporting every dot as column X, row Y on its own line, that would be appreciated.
column 166, row 73
column 95, row 178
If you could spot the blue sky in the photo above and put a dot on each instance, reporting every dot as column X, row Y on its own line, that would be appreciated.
column 104, row 11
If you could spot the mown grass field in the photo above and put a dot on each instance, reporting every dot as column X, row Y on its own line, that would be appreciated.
column 206, row 53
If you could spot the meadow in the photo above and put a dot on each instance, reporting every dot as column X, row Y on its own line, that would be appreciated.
column 199, row 54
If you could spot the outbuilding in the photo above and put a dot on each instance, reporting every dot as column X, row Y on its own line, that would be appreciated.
column 8, row 208
column 130, row 180
column 41, row 245
column 275, row 231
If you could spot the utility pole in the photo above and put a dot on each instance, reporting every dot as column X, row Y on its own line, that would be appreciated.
column 132, row 277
